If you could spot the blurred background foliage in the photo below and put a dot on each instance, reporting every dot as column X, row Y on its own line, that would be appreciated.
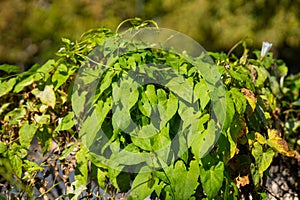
column 31, row 30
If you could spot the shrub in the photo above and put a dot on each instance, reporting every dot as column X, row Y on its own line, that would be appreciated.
column 64, row 124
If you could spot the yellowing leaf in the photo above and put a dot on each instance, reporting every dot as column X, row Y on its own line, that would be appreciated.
column 241, row 181
column 260, row 138
column 250, row 97
column 47, row 96
column 278, row 143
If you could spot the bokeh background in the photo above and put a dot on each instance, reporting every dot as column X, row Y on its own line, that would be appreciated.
column 31, row 30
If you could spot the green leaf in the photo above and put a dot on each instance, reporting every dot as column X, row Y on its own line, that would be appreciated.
column 16, row 163
column 239, row 100
column 10, row 68
column 181, row 87
column 66, row 123
column 220, row 111
column 161, row 139
column 256, row 176
column 142, row 138
column 23, row 83
column 47, row 96
column 233, row 143
column 7, row 86
column 119, row 179
column 37, row 73
column 43, row 71
column 42, row 119
column 130, row 155
column 144, row 105
column 260, row 138
column 106, row 81
column 205, row 141
column 76, row 189
column 15, row 116
column 275, row 87
column 201, row 92
column 101, row 177
column 121, row 119
column 151, row 94
column 81, row 173
column 230, row 111
column 3, row 107
column 78, row 101
column 167, row 108
column 211, row 177
column 26, row 133
column 263, row 159
column 143, row 184
column 262, row 75
column 66, row 41
column 45, row 138
column 92, row 124
column 66, row 152
column 126, row 93
column 31, row 167
column 60, row 76
column 183, row 181
column 125, row 97
column 3, row 148
column 296, row 103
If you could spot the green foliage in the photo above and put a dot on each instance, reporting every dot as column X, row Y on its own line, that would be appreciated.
column 262, row 119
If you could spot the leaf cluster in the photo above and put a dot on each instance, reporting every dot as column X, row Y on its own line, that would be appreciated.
column 75, row 131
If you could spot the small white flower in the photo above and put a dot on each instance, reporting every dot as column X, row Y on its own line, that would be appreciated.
column 266, row 46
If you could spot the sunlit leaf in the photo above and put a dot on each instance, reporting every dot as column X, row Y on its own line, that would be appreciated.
column 15, row 116
column 66, row 123
column 60, row 76
column 263, row 159
column 3, row 147
column 239, row 100
column 211, row 177
column 260, row 138
column 205, row 141
column 183, row 180
column 143, row 184
column 16, row 163
column 7, row 86
column 26, row 133
column 81, row 175
column 279, row 144
column 42, row 119
column 250, row 97
column 201, row 92
column 47, row 96
column 9, row 68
